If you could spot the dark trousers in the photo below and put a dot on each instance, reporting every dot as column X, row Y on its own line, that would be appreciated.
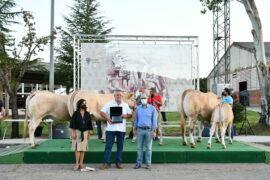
column 164, row 116
column 110, row 136
column 130, row 134
column 99, row 131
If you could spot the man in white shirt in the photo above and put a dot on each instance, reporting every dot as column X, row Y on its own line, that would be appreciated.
column 113, row 130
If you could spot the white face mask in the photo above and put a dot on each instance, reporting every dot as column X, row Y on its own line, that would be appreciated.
column 144, row 101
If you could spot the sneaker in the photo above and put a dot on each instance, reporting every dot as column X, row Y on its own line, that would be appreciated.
column 105, row 166
column 137, row 166
column 148, row 167
column 119, row 165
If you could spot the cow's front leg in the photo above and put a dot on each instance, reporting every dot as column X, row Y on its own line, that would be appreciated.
column 230, row 133
column 104, row 124
column 159, row 119
column 200, row 132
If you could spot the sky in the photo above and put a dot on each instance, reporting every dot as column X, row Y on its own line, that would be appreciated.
column 155, row 17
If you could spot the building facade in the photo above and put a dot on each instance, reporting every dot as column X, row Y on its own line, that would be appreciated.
column 243, row 72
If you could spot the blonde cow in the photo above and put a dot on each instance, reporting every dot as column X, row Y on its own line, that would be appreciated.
column 192, row 104
column 41, row 105
column 222, row 116
column 95, row 103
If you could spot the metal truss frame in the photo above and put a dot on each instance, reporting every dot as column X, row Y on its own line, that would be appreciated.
column 86, row 38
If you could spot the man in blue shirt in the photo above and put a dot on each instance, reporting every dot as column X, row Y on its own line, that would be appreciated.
column 145, row 126
column 226, row 97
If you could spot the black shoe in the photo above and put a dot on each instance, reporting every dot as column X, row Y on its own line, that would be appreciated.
column 148, row 167
column 137, row 166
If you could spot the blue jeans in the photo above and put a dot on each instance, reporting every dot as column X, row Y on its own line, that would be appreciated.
column 99, row 131
column 110, row 136
column 144, row 137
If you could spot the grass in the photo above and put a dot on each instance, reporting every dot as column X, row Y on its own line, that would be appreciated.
column 253, row 118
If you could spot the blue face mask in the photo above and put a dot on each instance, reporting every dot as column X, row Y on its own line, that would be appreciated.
column 144, row 101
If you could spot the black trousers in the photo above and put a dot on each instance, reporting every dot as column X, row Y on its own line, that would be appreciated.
column 164, row 116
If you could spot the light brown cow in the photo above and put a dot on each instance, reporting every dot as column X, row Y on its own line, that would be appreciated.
column 191, row 104
column 95, row 103
column 222, row 116
column 41, row 105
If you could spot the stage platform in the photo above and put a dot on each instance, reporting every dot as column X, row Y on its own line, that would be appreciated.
column 59, row 151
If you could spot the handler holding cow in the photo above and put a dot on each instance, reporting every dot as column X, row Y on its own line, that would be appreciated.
column 115, row 129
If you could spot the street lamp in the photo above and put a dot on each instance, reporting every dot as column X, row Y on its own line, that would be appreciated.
column 51, row 79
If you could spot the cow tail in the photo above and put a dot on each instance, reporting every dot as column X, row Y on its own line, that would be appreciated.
column 181, row 110
column 27, row 113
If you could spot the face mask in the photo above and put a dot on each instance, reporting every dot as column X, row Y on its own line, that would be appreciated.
column 144, row 101
column 83, row 107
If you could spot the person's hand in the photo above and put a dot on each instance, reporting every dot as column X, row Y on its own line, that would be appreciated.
column 109, row 120
column 73, row 135
column 123, row 116
column 134, row 132
column 154, row 134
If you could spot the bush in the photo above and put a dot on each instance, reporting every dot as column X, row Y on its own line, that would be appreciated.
column 238, row 112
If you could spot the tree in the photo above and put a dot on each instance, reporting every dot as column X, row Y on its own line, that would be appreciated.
column 6, row 19
column 83, row 19
column 203, row 85
column 262, row 71
column 6, row 15
column 15, row 59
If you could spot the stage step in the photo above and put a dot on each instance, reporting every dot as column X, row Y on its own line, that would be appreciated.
column 59, row 151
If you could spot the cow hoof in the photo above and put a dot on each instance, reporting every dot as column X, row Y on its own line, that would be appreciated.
column 199, row 140
column 103, row 141
column 133, row 140
column 184, row 143
column 160, row 143
column 218, row 141
column 230, row 142
column 193, row 145
column 208, row 146
column 33, row 147
column 223, row 147
column 37, row 145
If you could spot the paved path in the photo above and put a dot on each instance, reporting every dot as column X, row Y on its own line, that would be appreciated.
column 159, row 171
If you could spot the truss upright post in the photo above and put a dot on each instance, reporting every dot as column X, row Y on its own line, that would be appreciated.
column 221, row 42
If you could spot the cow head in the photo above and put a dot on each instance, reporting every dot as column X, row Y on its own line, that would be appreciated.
column 129, row 98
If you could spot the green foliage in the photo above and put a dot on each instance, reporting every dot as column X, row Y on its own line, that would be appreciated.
column 211, row 5
column 203, row 85
column 6, row 15
column 238, row 112
column 83, row 19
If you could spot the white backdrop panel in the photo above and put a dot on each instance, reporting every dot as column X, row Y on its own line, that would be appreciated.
column 125, row 66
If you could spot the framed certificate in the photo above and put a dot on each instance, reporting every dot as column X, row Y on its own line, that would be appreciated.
column 115, row 113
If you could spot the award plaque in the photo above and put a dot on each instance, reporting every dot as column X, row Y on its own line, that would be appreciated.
column 115, row 113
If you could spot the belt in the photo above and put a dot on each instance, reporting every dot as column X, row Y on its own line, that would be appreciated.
column 146, row 127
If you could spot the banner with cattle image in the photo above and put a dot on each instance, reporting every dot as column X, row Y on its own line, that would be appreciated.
column 129, row 66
